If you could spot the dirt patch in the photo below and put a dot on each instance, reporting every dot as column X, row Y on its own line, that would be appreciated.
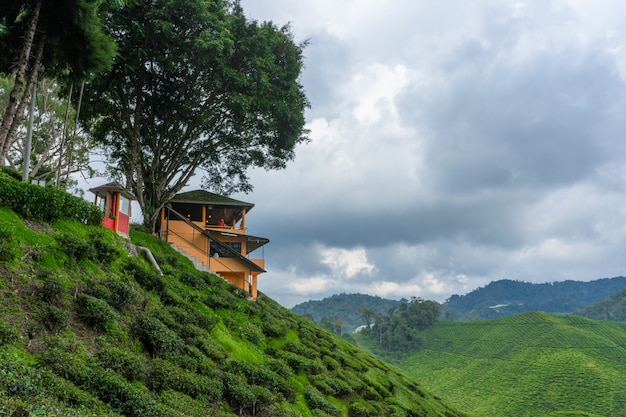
column 36, row 226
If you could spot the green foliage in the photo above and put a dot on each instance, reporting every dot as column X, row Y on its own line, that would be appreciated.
column 166, row 376
column 54, row 286
column 130, row 366
column 54, row 318
column 116, row 293
column 157, row 338
column 316, row 400
column 253, row 120
column 46, row 203
column 146, row 277
column 8, row 334
column 95, row 312
column 362, row 408
column 612, row 308
column 349, row 307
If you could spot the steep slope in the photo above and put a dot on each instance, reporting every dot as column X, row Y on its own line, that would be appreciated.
column 531, row 364
column 88, row 330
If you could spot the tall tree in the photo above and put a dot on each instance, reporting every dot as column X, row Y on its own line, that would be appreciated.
column 63, row 36
column 196, row 86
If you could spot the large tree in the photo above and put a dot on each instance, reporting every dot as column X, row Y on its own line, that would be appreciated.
column 64, row 37
column 196, row 86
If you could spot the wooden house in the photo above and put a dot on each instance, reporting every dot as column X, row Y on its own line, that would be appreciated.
column 212, row 229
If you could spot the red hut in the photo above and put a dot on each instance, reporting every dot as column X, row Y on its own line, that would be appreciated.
column 116, row 201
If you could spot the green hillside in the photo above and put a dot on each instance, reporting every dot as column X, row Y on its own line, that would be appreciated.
column 612, row 308
column 348, row 307
column 533, row 364
column 507, row 297
column 86, row 329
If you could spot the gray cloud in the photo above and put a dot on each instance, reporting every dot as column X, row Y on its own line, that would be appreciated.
column 453, row 144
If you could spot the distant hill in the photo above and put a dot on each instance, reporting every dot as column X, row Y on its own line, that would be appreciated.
column 497, row 299
column 87, row 329
column 506, row 297
column 527, row 365
column 612, row 308
column 345, row 306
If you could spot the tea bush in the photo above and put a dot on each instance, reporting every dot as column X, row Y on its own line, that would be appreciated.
column 54, row 318
column 75, row 247
column 94, row 311
column 54, row 286
column 362, row 408
column 316, row 400
column 164, row 375
column 129, row 366
column 116, row 293
column 157, row 338
column 8, row 334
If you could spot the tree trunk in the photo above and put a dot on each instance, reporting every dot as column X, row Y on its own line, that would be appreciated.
column 20, row 73
column 18, row 116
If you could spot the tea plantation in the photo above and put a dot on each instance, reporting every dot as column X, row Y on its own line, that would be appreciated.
column 532, row 364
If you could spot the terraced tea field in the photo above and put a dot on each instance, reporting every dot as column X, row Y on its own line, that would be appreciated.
column 533, row 364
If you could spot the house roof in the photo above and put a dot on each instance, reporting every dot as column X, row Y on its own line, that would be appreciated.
column 206, row 197
column 112, row 187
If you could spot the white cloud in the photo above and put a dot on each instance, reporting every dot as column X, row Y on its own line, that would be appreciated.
column 347, row 263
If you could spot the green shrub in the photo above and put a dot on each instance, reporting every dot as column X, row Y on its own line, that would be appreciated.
column 164, row 375
column 147, row 278
column 123, row 363
column 46, row 203
column 316, row 400
column 126, row 398
column 54, row 318
column 94, row 311
column 8, row 334
column 53, row 287
column 116, row 293
column 105, row 252
column 192, row 279
column 19, row 380
column 75, row 247
column 157, row 338
column 250, row 332
column 11, row 172
column 361, row 408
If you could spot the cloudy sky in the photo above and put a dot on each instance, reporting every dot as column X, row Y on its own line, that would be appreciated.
column 453, row 143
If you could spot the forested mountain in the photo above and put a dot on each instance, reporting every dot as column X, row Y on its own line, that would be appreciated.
column 506, row 297
column 87, row 329
column 612, row 308
column 347, row 307
column 532, row 364
column 497, row 299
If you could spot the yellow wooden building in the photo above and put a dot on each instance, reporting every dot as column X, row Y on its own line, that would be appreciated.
column 212, row 229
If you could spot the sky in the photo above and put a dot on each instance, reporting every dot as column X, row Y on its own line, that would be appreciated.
column 453, row 143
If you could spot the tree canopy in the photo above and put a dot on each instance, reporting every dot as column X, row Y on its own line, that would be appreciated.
column 64, row 37
column 195, row 86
